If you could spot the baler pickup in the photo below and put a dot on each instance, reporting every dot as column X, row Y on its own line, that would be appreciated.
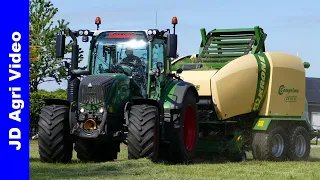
column 221, row 46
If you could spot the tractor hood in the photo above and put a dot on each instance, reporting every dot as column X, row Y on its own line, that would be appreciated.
column 95, row 89
column 105, row 90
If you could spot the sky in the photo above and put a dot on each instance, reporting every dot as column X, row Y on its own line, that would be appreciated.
column 292, row 26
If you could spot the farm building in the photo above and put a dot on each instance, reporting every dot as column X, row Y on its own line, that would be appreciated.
column 313, row 98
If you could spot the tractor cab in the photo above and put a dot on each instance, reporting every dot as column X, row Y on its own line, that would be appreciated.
column 142, row 55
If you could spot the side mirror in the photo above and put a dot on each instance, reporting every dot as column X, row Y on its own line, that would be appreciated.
column 60, row 45
column 172, row 43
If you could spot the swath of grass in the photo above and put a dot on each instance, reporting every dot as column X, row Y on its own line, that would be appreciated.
column 145, row 169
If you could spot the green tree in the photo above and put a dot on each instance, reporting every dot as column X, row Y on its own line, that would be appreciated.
column 44, row 66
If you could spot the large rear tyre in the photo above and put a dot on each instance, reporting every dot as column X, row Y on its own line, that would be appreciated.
column 272, row 145
column 55, row 145
column 143, row 132
column 299, row 144
column 88, row 151
column 185, row 132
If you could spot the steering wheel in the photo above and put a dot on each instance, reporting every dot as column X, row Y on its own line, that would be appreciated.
column 128, row 64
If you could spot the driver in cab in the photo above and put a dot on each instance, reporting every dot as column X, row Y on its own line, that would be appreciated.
column 131, row 58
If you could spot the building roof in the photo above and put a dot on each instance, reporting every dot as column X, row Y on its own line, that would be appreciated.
column 313, row 90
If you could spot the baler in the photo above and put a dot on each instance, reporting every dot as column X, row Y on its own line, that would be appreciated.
column 249, row 99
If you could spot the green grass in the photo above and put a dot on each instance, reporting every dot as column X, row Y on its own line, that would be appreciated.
column 145, row 169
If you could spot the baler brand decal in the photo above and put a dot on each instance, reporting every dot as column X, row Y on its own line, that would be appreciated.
column 283, row 89
column 290, row 98
column 263, row 80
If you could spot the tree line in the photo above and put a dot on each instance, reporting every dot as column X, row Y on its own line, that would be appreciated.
column 44, row 66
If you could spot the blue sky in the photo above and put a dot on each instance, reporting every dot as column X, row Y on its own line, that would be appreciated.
column 292, row 26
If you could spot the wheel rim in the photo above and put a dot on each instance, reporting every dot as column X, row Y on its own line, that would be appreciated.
column 300, row 146
column 189, row 128
column 277, row 145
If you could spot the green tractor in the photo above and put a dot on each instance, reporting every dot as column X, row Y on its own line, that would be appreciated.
column 128, row 94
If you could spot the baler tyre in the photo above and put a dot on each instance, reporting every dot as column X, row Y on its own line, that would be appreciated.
column 143, row 132
column 271, row 145
column 185, row 132
column 299, row 144
column 87, row 151
column 55, row 144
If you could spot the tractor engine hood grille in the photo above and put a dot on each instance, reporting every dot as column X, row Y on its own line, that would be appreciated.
column 95, row 89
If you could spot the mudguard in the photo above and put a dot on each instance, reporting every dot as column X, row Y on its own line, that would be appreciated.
column 173, row 94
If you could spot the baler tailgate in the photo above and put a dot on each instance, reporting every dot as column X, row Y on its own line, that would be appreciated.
column 224, row 45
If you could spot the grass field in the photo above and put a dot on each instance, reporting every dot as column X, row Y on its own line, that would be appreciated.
column 144, row 169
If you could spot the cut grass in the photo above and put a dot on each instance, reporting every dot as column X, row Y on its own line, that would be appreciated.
column 145, row 169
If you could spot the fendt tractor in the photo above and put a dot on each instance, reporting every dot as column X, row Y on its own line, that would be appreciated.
column 249, row 99
column 127, row 95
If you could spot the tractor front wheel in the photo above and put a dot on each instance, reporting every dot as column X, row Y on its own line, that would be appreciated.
column 54, row 141
column 143, row 132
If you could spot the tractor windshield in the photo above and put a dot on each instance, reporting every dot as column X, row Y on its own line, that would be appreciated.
column 120, row 52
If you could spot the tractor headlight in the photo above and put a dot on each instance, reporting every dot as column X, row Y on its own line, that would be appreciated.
column 101, row 110
column 80, row 32
column 82, row 110
column 149, row 32
column 154, row 32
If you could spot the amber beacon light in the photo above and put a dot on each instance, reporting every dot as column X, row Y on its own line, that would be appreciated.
column 98, row 22
column 174, row 20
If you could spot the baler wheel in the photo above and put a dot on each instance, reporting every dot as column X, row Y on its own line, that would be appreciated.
column 143, row 132
column 271, row 145
column 55, row 145
column 185, row 134
column 299, row 144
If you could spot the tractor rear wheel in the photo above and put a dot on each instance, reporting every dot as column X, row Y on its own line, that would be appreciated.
column 299, row 144
column 185, row 133
column 271, row 145
column 143, row 132
column 54, row 141
column 88, row 151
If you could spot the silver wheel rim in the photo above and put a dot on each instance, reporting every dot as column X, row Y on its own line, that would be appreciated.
column 277, row 145
column 300, row 146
